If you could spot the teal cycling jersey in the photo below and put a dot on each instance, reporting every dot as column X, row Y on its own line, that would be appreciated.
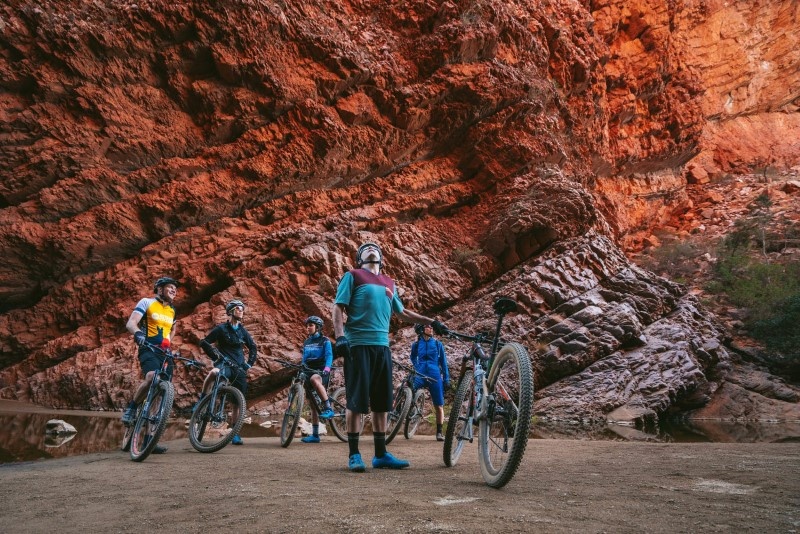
column 369, row 300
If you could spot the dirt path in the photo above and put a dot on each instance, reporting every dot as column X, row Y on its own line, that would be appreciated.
column 563, row 486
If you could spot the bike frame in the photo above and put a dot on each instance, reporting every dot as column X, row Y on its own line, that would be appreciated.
column 481, row 397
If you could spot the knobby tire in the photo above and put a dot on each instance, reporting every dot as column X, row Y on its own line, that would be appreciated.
column 416, row 414
column 153, row 423
column 212, row 427
column 459, row 423
column 297, row 398
column 338, row 422
column 396, row 418
column 503, row 433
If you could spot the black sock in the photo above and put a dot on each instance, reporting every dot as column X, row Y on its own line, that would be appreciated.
column 315, row 431
column 352, row 441
column 438, row 428
column 380, row 443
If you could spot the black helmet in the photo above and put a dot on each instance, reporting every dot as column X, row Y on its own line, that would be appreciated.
column 315, row 320
column 229, row 307
column 419, row 329
column 361, row 249
column 164, row 280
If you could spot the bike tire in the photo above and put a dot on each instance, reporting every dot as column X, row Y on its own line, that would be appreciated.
column 503, row 432
column 338, row 422
column 459, row 424
column 152, row 422
column 207, row 432
column 396, row 418
column 416, row 414
column 291, row 418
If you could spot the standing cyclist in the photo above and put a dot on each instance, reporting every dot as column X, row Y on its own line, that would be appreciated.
column 369, row 298
column 430, row 360
column 318, row 354
column 230, row 337
column 156, row 317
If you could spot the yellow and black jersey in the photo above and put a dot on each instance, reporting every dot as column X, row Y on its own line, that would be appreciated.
column 157, row 319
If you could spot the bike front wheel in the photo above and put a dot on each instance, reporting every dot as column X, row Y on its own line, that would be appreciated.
column 297, row 398
column 211, row 427
column 396, row 417
column 338, row 422
column 504, row 426
column 416, row 414
column 152, row 421
column 459, row 424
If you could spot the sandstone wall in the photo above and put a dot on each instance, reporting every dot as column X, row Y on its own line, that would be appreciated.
column 248, row 148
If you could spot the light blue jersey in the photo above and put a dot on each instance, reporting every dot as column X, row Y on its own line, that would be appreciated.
column 369, row 299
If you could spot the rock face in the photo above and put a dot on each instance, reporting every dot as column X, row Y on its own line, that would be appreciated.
column 492, row 148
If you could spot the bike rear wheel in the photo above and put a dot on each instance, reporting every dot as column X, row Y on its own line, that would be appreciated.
column 297, row 398
column 213, row 427
column 459, row 424
column 151, row 423
column 503, row 429
column 416, row 414
column 396, row 417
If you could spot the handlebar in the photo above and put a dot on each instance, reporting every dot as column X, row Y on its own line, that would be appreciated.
column 413, row 371
column 302, row 366
column 174, row 356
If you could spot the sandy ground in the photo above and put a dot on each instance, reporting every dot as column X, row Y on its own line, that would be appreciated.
column 562, row 486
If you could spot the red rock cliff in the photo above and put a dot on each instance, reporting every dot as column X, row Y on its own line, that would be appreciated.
column 248, row 147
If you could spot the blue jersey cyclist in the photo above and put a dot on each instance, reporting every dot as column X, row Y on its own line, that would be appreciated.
column 369, row 298
column 230, row 337
column 318, row 354
column 430, row 361
column 152, row 324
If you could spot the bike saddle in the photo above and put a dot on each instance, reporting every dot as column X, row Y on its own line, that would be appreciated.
column 504, row 305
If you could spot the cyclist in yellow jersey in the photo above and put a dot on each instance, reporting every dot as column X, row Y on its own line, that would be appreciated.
column 152, row 321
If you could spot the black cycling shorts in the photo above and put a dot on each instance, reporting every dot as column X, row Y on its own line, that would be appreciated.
column 152, row 361
column 368, row 379
column 236, row 378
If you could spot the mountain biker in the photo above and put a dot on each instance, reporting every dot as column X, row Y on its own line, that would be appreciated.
column 318, row 354
column 230, row 337
column 430, row 360
column 369, row 298
column 151, row 323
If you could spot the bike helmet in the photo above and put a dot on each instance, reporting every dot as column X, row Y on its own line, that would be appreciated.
column 316, row 320
column 419, row 329
column 229, row 307
column 360, row 262
column 163, row 281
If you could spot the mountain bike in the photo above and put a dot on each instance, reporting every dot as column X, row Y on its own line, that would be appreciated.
column 142, row 436
column 496, row 395
column 300, row 389
column 219, row 415
column 408, row 406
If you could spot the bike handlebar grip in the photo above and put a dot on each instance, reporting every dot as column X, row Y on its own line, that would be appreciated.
column 439, row 328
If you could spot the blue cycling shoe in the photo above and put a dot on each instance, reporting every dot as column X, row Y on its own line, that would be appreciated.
column 129, row 416
column 310, row 439
column 387, row 461
column 355, row 464
column 237, row 440
column 327, row 413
